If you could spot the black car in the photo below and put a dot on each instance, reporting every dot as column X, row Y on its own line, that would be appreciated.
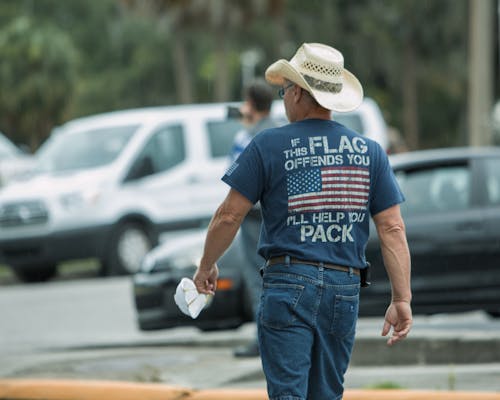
column 452, row 217
column 163, row 268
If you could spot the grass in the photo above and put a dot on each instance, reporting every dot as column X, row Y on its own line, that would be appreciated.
column 5, row 272
column 451, row 383
column 385, row 385
column 79, row 267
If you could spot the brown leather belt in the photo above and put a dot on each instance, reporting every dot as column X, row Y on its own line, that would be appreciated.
column 282, row 260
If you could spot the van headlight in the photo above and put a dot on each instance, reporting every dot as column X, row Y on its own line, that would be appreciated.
column 80, row 199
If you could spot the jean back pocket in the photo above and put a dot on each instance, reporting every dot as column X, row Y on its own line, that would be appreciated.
column 278, row 304
column 345, row 315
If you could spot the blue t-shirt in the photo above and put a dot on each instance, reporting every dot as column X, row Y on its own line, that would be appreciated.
column 318, row 183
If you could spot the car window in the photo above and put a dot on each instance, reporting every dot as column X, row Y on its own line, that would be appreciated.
column 166, row 148
column 88, row 148
column 492, row 171
column 433, row 190
column 351, row 121
column 221, row 135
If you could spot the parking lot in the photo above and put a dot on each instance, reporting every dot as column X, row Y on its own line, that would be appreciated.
column 85, row 328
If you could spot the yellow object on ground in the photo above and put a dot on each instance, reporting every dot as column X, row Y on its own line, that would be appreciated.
column 52, row 389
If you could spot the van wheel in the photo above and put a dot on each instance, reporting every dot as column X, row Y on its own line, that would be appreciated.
column 129, row 244
column 36, row 273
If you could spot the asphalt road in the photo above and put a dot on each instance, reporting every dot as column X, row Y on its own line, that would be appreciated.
column 86, row 329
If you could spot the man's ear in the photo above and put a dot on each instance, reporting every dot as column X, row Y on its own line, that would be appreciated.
column 297, row 93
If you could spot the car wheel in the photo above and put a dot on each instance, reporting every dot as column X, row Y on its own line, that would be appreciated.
column 36, row 273
column 129, row 244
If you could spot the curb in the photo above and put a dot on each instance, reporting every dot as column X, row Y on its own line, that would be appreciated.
column 418, row 351
column 50, row 389
column 368, row 350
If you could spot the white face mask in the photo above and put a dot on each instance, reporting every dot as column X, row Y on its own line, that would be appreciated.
column 189, row 301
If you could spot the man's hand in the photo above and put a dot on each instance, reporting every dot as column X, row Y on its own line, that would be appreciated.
column 205, row 279
column 399, row 317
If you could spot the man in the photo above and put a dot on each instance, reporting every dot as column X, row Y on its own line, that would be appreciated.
column 317, row 183
column 255, row 116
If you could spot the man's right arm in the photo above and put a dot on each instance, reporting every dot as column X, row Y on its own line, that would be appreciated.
column 221, row 232
column 396, row 255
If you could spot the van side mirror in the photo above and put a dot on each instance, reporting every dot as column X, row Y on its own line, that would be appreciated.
column 141, row 168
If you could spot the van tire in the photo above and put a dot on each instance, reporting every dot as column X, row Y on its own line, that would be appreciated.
column 129, row 243
column 38, row 273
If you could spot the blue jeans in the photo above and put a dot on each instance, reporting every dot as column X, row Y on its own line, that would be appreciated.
column 306, row 327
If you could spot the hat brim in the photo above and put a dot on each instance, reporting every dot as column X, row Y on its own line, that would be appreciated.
column 348, row 99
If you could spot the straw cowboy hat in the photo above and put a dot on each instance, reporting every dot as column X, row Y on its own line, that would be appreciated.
column 319, row 69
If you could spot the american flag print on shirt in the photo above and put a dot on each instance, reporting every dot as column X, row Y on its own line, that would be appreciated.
column 328, row 188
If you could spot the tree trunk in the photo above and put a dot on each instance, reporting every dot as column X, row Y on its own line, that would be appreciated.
column 182, row 72
column 222, row 76
column 280, row 32
column 410, row 96
column 480, row 63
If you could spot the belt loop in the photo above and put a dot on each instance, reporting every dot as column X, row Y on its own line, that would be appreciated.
column 351, row 272
column 287, row 260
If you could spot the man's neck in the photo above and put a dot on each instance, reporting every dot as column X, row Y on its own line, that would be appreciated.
column 316, row 113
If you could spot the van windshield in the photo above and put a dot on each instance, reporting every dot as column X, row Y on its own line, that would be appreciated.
column 81, row 149
column 7, row 149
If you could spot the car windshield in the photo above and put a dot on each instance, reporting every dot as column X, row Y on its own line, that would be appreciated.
column 72, row 150
column 351, row 121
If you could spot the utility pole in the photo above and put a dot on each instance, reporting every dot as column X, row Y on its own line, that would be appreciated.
column 249, row 60
column 480, row 90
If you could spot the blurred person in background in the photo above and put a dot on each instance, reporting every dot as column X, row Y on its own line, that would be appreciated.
column 318, row 183
column 255, row 116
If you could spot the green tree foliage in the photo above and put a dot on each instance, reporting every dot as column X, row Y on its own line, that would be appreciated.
column 136, row 72
column 411, row 55
column 37, row 77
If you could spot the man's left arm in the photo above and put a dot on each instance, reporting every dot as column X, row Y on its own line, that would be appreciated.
column 221, row 232
column 396, row 255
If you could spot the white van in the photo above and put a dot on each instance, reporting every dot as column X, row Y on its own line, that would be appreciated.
column 109, row 185
column 14, row 162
